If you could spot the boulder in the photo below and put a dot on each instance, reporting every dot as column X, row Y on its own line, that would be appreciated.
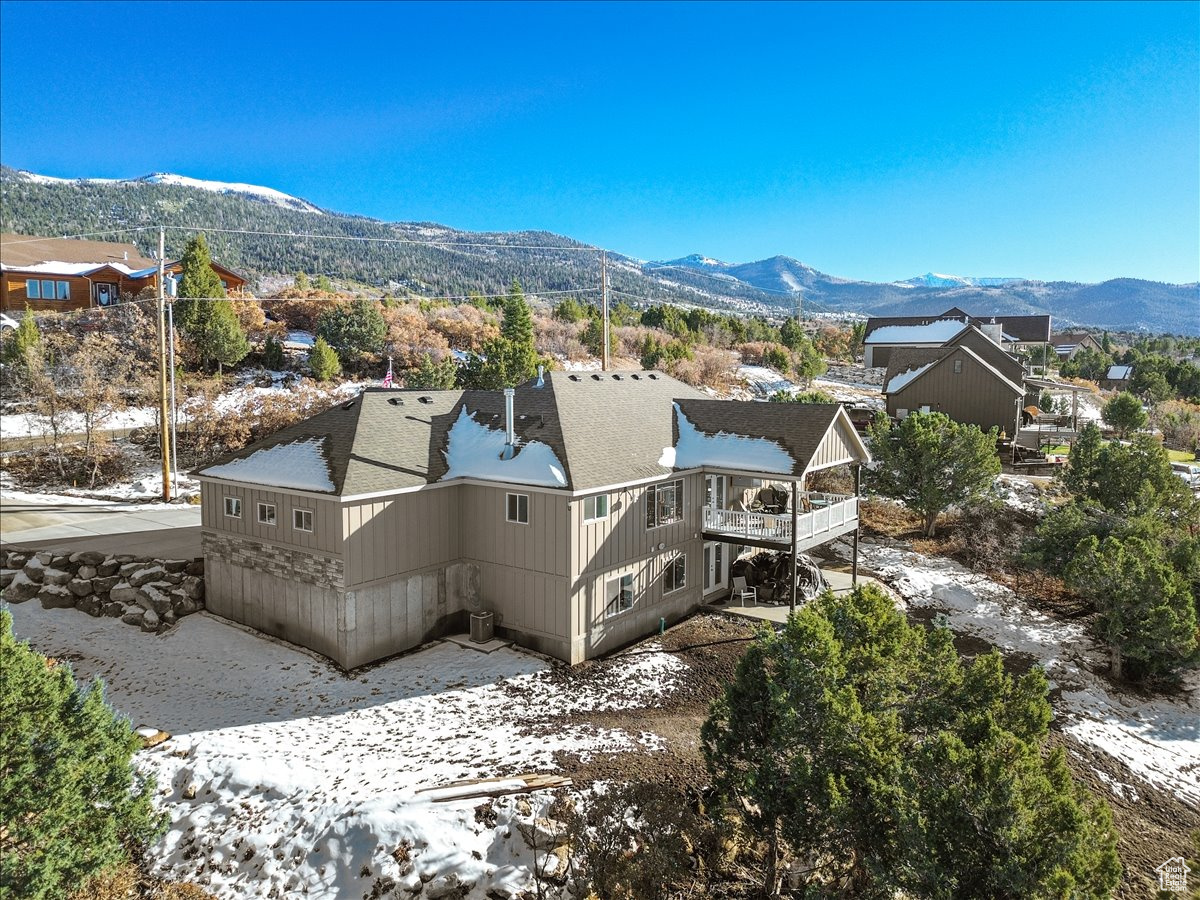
column 45, row 557
column 88, row 557
column 56, row 576
column 183, row 606
column 174, row 565
column 133, row 615
column 196, row 567
column 128, row 568
column 447, row 886
column 80, row 587
column 21, row 588
column 169, row 618
column 107, row 568
column 155, row 596
column 145, row 576
column 6, row 577
column 34, row 569
column 61, row 560
column 16, row 560
column 55, row 596
column 150, row 620
column 123, row 592
column 103, row 585
column 86, row 571
column 113, row 609
column 90, row 605
column 174, row 578
column 193, row 587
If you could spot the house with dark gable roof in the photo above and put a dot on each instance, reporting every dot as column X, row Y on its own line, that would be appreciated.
column 582, row 509
column 886, row 334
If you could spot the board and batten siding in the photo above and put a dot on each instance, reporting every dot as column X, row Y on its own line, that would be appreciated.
column 834, row 449
column 524, row 570
column 974, row 396
column 325, row 538
column 390, row 536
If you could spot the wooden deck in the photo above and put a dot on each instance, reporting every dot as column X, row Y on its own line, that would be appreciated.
column 830, row 516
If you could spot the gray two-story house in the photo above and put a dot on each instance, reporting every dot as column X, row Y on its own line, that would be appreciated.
column 581, row 509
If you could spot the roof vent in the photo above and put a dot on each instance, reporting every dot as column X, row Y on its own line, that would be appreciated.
column 595, row 378
column 573, row 377
column 636, row 377
column 349, row 404
column 616, row 378
column 652, row 377
column 541, row 382
column 396, row 401
column 425, row 399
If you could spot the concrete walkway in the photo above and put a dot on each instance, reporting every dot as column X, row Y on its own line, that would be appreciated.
column 837, row 574
column 167, row 532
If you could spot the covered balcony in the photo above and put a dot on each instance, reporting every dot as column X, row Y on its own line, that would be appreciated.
column 819, row 518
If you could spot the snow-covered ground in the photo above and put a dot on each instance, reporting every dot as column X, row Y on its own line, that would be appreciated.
column 763, row 382
column 1158, row 739
column 15, row 425
column 286, row 777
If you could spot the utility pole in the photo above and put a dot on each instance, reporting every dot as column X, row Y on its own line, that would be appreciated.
column 164, row 435
column 604, row 302
column 174, row 415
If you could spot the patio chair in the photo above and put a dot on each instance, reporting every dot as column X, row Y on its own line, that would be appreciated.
column 743, row 591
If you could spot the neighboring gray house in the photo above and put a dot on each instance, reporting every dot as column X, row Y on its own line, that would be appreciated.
column 581, row 512
column 1068, row 344
column 1117, row 378
column 971, row 387
column 885, row 334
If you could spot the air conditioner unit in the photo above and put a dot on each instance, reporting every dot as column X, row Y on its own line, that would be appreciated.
column 482, row 627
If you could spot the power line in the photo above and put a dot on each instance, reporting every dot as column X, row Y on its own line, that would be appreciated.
column 379, row 240
column 63, row 237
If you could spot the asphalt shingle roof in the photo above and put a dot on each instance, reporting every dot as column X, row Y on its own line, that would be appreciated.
column 606, row 428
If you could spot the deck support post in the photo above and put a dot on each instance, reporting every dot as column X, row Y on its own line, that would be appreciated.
column 857, row 524
column 795, row 542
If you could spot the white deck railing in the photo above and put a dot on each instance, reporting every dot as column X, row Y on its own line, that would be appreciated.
column 828, row 513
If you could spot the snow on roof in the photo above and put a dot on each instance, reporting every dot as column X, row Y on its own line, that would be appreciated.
column 55, row 267
column 473, row 451
column 299, row 465
column 1119, row 373
column 731, row 451
column 934, row 333
column 899, row 381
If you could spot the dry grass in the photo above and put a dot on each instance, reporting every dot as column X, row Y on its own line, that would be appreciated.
column 127, row 882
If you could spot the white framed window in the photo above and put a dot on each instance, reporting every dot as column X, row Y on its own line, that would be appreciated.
column 595, row 508
column 664, row 503
column 517, row 508
column 675, row 574
column 302, row 519
column 266, row 513
column 618, row 595
column 233, row 507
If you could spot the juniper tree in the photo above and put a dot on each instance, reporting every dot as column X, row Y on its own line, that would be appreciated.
column 71, row 803
column 433, row 375
column 217, row 335
column 510, row 358
column 355, row 330
column 930, row 462
column 1124, row 413
column 323, row 361
column 863, row 744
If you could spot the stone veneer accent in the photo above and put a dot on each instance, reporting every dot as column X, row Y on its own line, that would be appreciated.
column 282, row 562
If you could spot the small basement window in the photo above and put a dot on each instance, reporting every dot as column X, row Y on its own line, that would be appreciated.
column 595, row 508
column 302, row 519
column 266, row 513
column 233, row 507
column 517, row 508
column 619, row 594
column 675, row 574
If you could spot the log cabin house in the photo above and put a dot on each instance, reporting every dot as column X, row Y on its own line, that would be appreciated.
column 65, row 274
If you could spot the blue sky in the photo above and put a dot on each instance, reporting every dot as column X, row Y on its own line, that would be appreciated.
column 1059, row 141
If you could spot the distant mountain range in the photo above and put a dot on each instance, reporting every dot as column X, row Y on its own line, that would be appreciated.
column 294, row 235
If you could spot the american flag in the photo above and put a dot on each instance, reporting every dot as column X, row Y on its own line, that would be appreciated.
column 387, row 379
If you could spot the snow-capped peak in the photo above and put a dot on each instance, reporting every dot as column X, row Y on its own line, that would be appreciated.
column 937, row 279
column 253, row 191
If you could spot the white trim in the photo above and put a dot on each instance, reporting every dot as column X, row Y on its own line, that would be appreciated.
column 225, row 507
column 597, row 517
column 683, row 510
column 518, row 495
column 258, row 513
column 618, row 575
column 681, row 554
column 301, row 509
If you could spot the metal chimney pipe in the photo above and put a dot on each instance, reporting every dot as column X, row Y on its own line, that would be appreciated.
column 510, row 438
column 541, row 382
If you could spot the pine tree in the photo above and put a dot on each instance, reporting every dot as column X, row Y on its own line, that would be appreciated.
column 324, row 284
column 71, row 802
column 25, row 339
column 323, row 361
column 355, row 330
column 197, row 283
column 301, row 282
column 273, row 357
column 931, row 462
column 1124, row 413
column 218, row 337
column 511, row 358
column 433, row 376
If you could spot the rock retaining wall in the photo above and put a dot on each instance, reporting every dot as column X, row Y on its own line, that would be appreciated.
column 152, row 594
